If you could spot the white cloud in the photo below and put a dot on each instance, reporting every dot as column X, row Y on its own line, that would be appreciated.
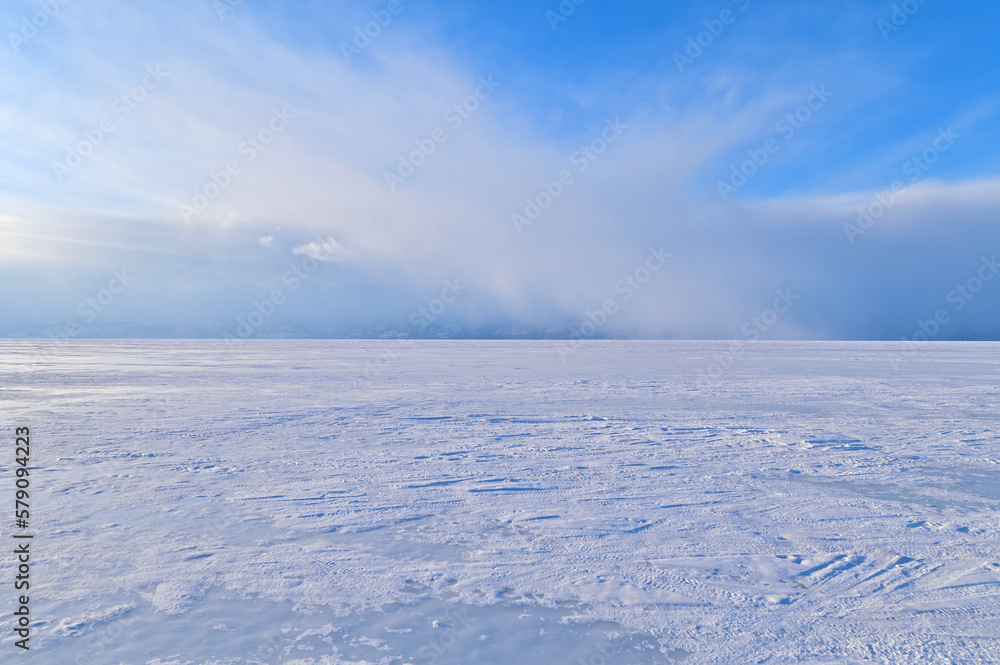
column 328, row 250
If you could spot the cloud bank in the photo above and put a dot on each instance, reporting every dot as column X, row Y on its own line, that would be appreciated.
column 219, row 157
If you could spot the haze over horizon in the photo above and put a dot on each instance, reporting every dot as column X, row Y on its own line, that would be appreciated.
column 732, row 170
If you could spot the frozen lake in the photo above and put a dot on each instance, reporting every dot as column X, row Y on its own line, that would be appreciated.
column 400, row 503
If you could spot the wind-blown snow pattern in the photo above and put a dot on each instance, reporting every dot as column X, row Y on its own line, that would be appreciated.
column 500, row 502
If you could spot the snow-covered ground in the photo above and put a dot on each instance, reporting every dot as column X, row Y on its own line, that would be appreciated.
column 500, row 502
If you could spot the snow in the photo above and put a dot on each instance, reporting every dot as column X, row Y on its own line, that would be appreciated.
column 490, row 502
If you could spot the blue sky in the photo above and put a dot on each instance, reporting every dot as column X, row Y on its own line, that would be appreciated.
column 743, row 138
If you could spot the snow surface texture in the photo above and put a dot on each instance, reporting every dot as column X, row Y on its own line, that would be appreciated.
column 487, row 502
